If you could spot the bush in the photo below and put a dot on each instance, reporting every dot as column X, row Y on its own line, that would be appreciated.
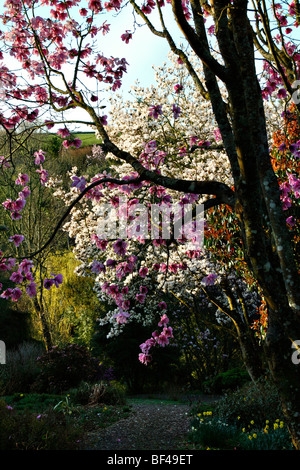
column 98, row 393
column 28, row 431
column 214, row 433
column 230, row 380
column 252, row 402
column 20, row 370
column 64, row 368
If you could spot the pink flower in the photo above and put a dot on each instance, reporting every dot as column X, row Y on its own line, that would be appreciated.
column 126, row 37
column 31, row 289
column 176, row 111
column 103, row 120
column 17, row 239
column 25, row 266
column 163, row 340
column 140, row 298
column 164, row 320
column 291, row 221
column 16, row 277
column 163, row 306
column 155, row 111
column 39, row 157
column 168, row 332
column 77, row 143
column 122, row 316
column 22, row 179
column 144, row 358
column 24, row 193
column 19, row 204
column 16, row 294
column 64, row 132
column 120, row 247
column 6, row 294
column 15, row 215
column 44, row 175
column 178, row 88
column 79, row 183
column 143, row 272
column 217, row 135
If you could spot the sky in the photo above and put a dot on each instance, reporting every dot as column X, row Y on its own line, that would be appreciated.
column 143, row 52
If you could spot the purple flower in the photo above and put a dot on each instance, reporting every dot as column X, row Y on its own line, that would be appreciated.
column 155, row 111
column 176, row 111
column 79, row 183
column 17, row 239
column 209, row 280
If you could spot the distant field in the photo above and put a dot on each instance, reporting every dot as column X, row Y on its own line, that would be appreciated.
column 87, row 138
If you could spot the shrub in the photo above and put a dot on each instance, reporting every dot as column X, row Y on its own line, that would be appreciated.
column 64, row 368
column 214, row 433
column 229, row 380
column 28, row 431
column 252, row 402
column 20, row 370
column 98, row 393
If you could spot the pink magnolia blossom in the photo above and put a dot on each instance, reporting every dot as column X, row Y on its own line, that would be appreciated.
column 143, row 272
column 140, row 298
column 16, row 277
column 16, row 294
column 44, row 175
column 126, row 37
column 144, row 358
column 176, row 111
column 16, row 239
column 178, row 88
column 291, row 221
column 22, row 179
column 39, row 157
column 25, row 266
column 120, row 247
column 79, row 183
column 122, row 316
column 6, row 294
column 31, row 289
column 155, row 111
column 24, row 194
column 164, row 320
column 64, row 132
column 209, row 280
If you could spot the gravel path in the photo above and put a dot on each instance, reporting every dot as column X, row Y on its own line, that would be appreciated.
column 149, row 427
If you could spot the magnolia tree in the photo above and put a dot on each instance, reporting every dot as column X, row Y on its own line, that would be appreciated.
column 136, row 285
column 55, row 44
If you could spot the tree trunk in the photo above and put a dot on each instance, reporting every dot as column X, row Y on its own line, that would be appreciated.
column 285, row 369
column 252, row 356
column 45, row 327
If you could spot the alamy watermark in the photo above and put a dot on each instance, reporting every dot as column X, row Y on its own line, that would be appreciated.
column 2, row 352
column 296, row 354
column 133, row 220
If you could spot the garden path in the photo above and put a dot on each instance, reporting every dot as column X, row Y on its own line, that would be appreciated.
column 150, row 426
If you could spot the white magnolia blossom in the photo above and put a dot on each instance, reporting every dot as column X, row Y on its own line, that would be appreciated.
column 167, row 144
